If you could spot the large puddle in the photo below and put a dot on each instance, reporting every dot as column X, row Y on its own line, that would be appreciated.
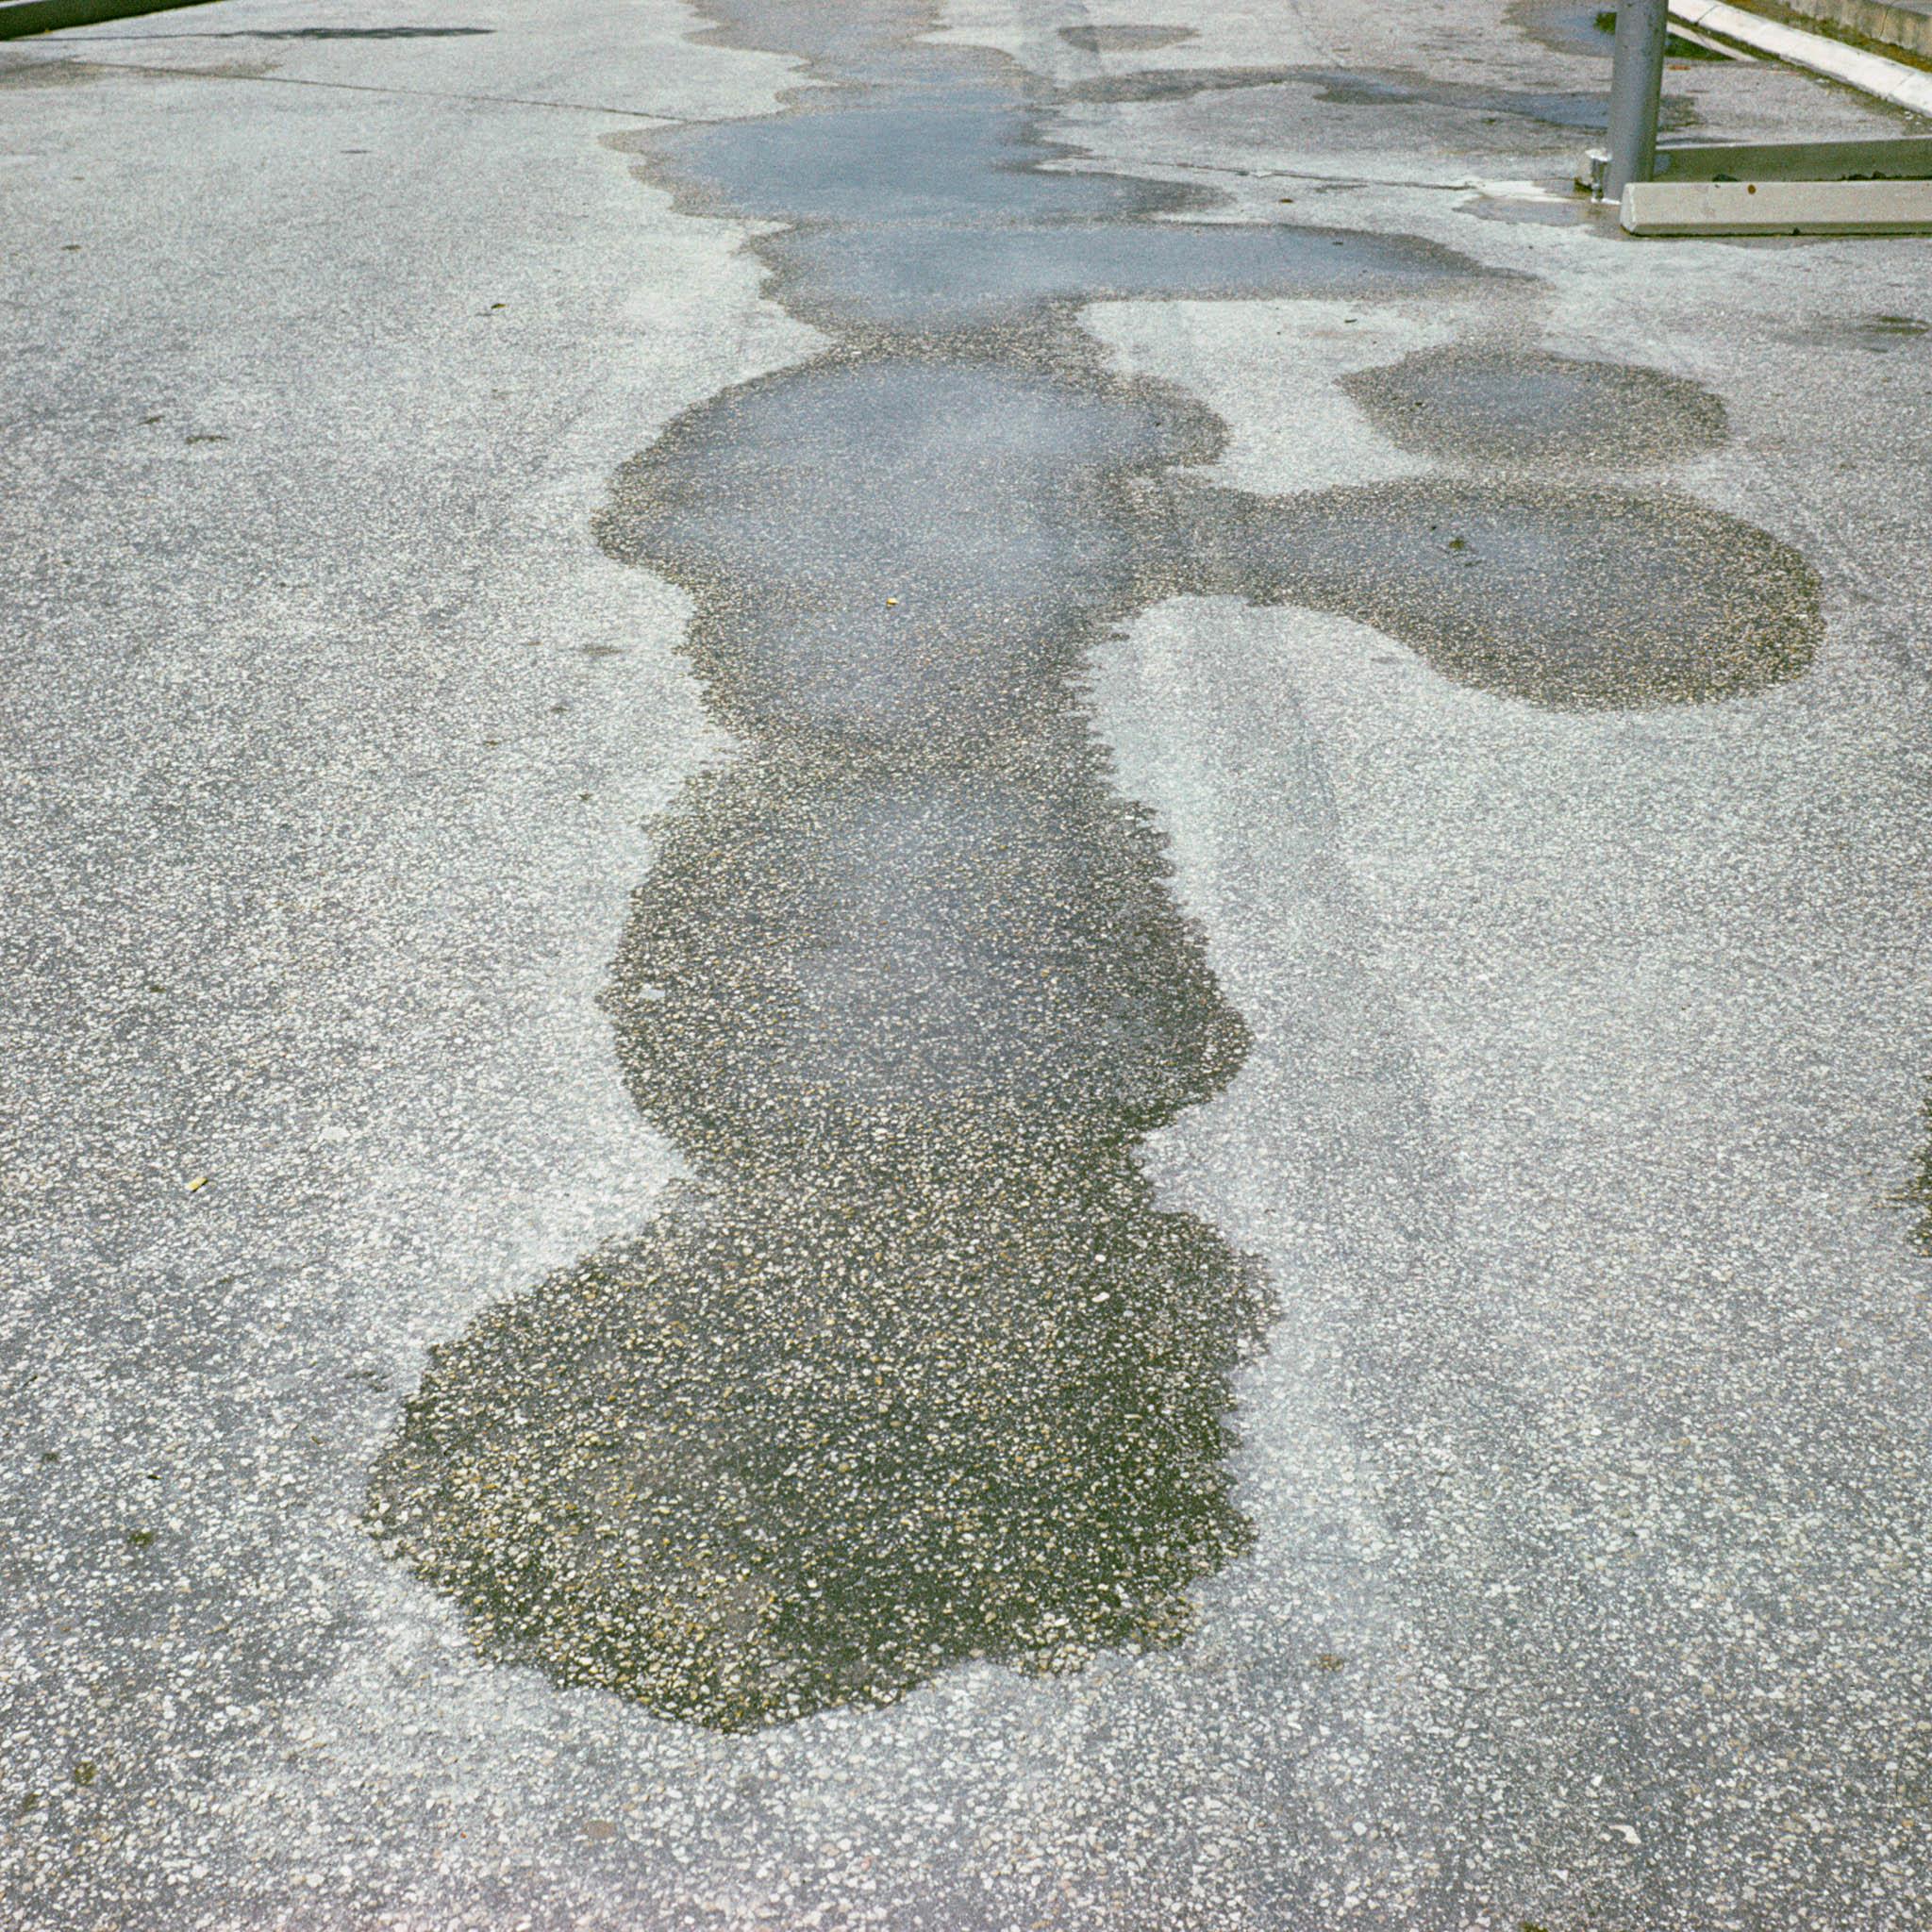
column 913, row 1370
column 916, row 1371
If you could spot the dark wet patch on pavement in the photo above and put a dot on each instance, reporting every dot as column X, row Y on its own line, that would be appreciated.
column 925, row 1375
column 948, row 280
column 1878, row 333
column 913, row 1370
column 963, row 153
column 1585, row 112
column 795, row 1449
column 838, row 958
column 1567, row 26
column 939, row 207
column 1512, row 406
column 1587, row 26
column 1563, row 597
column 908, row 552
column 1125, row 40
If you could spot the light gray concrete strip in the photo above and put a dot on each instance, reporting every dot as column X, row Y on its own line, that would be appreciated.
column 1777, row 207
column 1872, row 73
column 1902, row 24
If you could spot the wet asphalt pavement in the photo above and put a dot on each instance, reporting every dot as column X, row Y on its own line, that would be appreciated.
column 964, row 972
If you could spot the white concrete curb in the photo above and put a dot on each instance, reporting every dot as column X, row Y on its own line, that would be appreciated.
column 1891, row 81
column 1777, row 207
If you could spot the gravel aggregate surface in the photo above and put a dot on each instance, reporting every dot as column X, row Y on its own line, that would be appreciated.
column 965, row 971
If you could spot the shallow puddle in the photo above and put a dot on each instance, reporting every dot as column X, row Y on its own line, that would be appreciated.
column 1580, row 598
column 961, row 153
column 942, row 281
column 1508, row 406
column 832, row 957
column 905, row 551
column 806, row 1444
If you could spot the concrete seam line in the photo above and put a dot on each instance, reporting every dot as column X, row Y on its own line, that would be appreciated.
column 1890, row 80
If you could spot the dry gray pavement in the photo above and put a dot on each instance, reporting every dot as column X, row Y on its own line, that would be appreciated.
column 964, row 969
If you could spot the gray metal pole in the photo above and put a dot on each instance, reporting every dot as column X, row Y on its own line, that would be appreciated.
column 1637, row 78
